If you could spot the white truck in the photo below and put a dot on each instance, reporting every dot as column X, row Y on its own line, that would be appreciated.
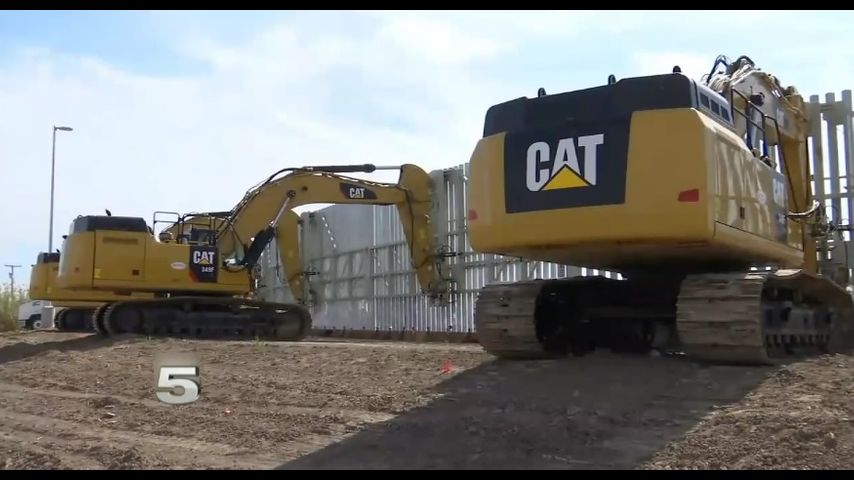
column 30, row 315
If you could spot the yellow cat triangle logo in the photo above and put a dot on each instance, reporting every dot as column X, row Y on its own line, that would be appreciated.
column 565, row 178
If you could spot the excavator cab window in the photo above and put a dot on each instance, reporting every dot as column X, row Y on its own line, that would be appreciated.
column 202, row 236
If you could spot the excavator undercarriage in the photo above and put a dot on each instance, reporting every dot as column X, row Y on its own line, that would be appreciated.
column 739, row 318
column 204, row 317
column 74, row 319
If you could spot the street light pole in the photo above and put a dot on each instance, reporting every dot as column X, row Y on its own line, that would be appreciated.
column 52, row 170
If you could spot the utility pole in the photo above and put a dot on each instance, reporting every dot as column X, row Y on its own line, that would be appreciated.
column 12, row 278
column 12, row 275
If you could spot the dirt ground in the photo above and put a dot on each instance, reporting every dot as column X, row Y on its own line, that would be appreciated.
column 77, row 401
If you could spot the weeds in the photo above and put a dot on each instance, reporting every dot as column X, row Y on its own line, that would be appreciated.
column 9, row 303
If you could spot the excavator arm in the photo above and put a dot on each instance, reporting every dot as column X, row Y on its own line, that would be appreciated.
column 288, row 248
column 768, row 115
column 255, row 220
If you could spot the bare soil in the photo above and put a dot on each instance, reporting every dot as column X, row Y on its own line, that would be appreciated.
column 74, row 401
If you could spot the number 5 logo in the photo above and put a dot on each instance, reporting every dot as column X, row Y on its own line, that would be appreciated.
column 175, row 379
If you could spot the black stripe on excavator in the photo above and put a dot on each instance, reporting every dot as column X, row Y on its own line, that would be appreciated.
column 357, row 192
column 262, row 238
column 365, row 167
column 47, row 257
column 571, row 149
column 591, row 105
column 91, row 223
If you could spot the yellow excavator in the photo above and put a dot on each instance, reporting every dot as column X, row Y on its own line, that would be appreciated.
column 203, row 289
column 697, row 192
column 78, row 306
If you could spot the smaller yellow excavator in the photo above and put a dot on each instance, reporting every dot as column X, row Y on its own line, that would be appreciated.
column 200, row 290
column 78, row 306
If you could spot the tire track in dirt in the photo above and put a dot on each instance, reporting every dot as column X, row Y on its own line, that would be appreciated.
column 11, row 352
column 361, row 416
column 99, row 405
column 30, row 454
column 175, row 449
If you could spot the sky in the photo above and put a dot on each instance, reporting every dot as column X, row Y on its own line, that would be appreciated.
column 184, row 111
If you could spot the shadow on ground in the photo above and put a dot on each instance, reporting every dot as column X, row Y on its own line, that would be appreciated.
column 21, row 350
column 599, row 411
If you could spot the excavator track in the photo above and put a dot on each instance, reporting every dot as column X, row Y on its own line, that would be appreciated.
column 59, row 321
column 505, row 320
column 551, row 318
column 751, row 318
column 73, row 319
column 205, row 317
column 762, row 317
column 96, row 321
column 720, row 318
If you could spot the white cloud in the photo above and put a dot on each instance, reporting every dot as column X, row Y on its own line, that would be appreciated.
column 384, row 88
column 692, row 64
column 197, row 142
column 437, row 42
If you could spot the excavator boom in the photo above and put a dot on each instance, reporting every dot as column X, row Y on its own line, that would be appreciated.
column 252, row 216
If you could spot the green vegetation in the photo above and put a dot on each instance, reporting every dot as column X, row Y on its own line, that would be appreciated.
column 9, row 303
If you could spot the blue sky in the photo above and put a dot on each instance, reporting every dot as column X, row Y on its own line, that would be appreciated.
column 184, row 111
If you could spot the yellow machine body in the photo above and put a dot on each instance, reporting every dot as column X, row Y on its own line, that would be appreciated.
column 127, row 257
column 132, row 261
column 78, row 304
column 693, row 193
column 43, row 286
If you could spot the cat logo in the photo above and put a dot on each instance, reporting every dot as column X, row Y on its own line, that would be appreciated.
column 203, row 258
column 583, row 164
column 203, row 265
column 357, row 192
column 545, row 172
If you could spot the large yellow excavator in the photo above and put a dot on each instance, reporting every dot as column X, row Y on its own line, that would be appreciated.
column 201, row 289
column 78, row 305
column 673, row 183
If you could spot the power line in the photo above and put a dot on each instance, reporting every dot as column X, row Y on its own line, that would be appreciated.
column 12, row 275
column 12, row 278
